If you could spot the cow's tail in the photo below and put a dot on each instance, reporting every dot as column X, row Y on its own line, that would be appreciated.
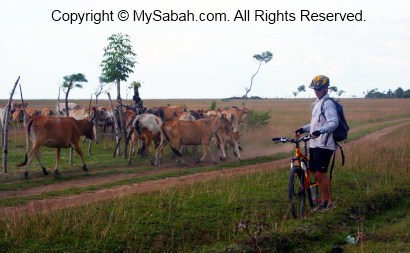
column 176, row 151
column 28, row 127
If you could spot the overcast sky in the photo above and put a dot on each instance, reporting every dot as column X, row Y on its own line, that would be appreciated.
column 210, row 59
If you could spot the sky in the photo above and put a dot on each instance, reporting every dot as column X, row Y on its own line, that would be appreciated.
column 207, row 59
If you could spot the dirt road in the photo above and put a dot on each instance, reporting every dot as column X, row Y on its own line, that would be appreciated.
column 45, row 205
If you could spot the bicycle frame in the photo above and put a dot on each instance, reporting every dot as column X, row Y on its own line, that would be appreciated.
column 300, row 167
column 302, row 159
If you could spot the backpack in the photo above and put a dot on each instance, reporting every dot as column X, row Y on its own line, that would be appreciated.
column 340, row 133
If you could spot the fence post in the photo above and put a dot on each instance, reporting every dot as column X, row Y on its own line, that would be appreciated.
column 6, row 127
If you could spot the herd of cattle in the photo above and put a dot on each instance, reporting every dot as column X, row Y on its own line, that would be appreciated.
column 173, row 125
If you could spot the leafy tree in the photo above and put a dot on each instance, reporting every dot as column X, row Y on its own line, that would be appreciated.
column 118, row 62
column 390, row 94
column 406, row 93
column 301, row 88
column 213, row 105
column 398, row 93
column 333, row 88
column 264, row 57
column 71, row 82
column 340, row 92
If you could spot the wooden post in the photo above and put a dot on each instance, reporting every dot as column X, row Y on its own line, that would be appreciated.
column 58, row 103
column 24, row 107
column 89, row 116
column 123, row 131
column 117, row 129
column 6, row 128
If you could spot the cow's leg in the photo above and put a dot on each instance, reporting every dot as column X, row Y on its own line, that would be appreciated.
column 80, row 153
column 41, row 164
column 236, row 152
column 207, row 149
column 160, row 150
column 148, row 141
column 132, row 148
column 195, row 153
column 33, row 152
column 212, row 155
column 58, row 157
column 222, row 150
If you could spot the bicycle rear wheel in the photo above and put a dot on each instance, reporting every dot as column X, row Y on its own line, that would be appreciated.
column 296, row 192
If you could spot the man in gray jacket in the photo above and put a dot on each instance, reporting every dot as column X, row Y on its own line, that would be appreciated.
column 321, row 148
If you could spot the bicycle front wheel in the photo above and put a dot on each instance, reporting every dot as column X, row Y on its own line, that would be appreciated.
column 296, row 192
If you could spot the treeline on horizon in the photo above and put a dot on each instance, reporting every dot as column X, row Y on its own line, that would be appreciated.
column 398, row 93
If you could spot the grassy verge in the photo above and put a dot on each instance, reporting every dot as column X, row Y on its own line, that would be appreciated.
column 72, row 174
column 240, row 214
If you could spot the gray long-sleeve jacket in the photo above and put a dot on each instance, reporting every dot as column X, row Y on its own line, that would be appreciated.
column 326, row 124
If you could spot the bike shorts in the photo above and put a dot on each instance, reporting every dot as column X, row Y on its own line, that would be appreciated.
column 319, row 159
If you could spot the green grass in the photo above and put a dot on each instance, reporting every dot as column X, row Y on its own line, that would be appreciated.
column 205, row 217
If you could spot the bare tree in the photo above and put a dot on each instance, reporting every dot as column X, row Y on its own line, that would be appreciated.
column 103, row 87
column 264, row 57
column 5, row 133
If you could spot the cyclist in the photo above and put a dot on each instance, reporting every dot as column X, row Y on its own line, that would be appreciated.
column 322, row 145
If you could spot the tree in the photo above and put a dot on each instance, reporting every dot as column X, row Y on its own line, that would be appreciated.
column 340, row 92
column 398, row 93
column 300, row 89
column 264, row 57
column 102, row 87
column 71, row 82
column 136, row 85
column 118, row 62
column 333, row 88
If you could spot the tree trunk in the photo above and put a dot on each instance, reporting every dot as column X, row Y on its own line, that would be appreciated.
column 70, row 156
column 58, row 103
column 122, row 120
column 89, row 117
column 117, row 128
column 24, row 108
column 250, row 87
column 5, row 133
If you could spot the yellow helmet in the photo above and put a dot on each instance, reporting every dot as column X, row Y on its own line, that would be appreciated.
column 319, row 82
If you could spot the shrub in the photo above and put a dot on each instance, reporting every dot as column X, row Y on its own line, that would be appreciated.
column 258, row 118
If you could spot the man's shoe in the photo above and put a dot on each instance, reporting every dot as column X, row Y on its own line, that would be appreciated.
column 320, row 207
column 329, row 207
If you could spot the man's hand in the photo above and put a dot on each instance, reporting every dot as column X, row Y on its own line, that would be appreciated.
column 316, row 134
column 299, row 132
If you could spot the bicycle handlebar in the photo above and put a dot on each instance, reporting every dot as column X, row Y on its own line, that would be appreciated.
column 296, row 140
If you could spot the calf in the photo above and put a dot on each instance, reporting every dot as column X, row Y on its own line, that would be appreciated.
column 240, row 115
column 56, row 133
column 225, row 139
column 199, row 132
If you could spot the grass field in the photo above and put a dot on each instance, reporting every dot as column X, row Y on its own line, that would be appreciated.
column 243, row 213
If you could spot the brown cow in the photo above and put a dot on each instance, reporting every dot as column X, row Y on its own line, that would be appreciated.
column 172, row 111
column 198, row 132
column 56, row 133
column 240, row 115
column 46, row 112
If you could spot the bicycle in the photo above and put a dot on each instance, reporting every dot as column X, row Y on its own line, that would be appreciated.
column 300, row 180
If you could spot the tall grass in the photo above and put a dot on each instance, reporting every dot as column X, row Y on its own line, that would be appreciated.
column 207, row 217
